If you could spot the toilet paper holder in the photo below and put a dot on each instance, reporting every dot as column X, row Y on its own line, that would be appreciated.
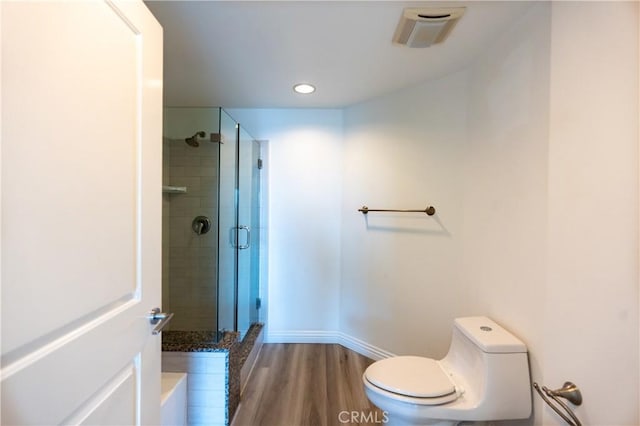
column 568, row 391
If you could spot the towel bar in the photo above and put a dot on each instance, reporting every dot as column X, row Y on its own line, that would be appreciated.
column 429, row 210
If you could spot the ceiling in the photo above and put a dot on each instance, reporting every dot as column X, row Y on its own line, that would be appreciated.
column 249, row 54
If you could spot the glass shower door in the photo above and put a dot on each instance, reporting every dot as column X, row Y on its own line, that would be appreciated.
column 210, row 221
column 191, row 158
column 228, row 221
column 248, row 231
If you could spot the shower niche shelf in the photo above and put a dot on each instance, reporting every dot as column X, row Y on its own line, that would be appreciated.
column 168, row 189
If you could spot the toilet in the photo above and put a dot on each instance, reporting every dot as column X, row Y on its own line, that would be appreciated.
column 483, row 377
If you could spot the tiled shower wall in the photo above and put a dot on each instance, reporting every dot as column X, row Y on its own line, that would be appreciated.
column 189, row 274
column 207, row 385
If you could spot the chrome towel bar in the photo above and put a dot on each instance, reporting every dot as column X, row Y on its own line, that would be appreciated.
column 568, row 391
column 429, row 210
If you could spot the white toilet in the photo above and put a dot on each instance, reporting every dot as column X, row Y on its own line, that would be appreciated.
column 485, row 376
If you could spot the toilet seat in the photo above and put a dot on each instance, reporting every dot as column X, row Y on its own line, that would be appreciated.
column 412, row 379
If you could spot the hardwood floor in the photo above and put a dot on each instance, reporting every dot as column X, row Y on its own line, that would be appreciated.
column 307, row 385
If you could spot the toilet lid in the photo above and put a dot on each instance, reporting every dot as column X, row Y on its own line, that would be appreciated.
column 410, row 375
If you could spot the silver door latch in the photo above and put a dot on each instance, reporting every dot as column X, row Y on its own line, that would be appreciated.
column 159, row 319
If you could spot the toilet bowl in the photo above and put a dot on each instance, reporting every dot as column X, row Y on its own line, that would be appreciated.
column 483, row 377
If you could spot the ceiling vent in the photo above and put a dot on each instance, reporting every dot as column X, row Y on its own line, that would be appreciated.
column 426, row 26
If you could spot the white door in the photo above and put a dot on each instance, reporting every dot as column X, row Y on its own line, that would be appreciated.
column 81, row 212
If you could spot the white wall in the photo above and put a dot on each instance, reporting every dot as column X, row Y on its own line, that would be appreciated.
column 304, row 201
column 546, row 237
column 503, row 257
column 530, row 157
column 591, row 311
column 403, row 151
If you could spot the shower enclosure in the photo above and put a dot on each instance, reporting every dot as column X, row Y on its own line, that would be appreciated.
column 211, row 229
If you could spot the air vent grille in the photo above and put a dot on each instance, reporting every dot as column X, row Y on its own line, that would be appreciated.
column 424, row 27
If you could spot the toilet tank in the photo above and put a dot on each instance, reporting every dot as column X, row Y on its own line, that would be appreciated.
column 492, row 366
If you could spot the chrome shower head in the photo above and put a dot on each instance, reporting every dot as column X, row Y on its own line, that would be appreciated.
column 193, row 140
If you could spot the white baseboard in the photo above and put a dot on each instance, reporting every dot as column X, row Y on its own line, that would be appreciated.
column 300, row 336
column 335, row 337
column 363, row 348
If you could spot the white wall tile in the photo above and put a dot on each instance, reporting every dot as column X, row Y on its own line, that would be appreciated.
column 206, row 395
column 206, row 398
column 206, row 382
column 205, row 416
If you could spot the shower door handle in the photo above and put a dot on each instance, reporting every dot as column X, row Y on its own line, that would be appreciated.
column 248, row 241
column 235, row 237
column 159, row 319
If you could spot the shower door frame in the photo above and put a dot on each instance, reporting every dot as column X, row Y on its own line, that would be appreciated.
column 237, row 240
column 248, row 220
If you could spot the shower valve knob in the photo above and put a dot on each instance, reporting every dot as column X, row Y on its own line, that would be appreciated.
column 201, row 225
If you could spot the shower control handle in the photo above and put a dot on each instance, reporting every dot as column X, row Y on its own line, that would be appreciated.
column 201, row 225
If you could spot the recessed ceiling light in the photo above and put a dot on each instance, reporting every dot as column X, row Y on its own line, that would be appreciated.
column 304, row 88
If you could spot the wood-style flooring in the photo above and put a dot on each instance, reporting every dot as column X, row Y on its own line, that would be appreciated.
column 307, row 385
